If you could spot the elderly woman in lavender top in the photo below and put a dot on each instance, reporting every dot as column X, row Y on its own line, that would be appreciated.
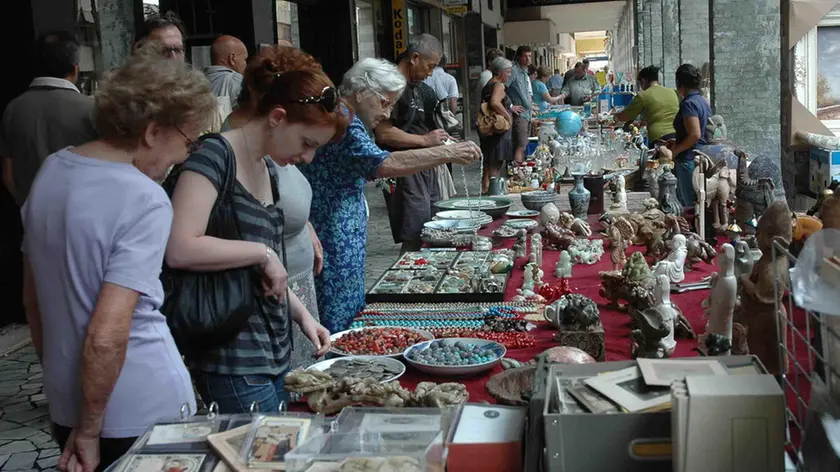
column 338, row 174
column 96, row 225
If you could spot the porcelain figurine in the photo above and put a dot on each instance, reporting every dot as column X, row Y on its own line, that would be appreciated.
column 674, row 266
column 563, row 268
column 537, row 248
column 528, row 278
column 549, row 214
column 521, row 246
column 618, row 194
column 762, row 290
column 744, row 261
column 720, row 304
column 655, row 336
column 668, row 201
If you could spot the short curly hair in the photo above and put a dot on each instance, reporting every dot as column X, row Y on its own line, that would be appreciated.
column 150, row 88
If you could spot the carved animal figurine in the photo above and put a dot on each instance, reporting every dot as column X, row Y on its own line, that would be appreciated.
column 549, row 214
column 648, row 338
column 674, row 265
column 756, row 188
column 652, row 211
column 743, row 260
column 698, row 251
column 576, row 225
column 720, row 305
column 573, row 312
column 617, row 256
column 528, row 278
column 664, row 309
column 537, row 248
column 719, row 190
column 651, row 236
column 558, row 238
column 758, row 302
column 563, row 268
column 521, row 246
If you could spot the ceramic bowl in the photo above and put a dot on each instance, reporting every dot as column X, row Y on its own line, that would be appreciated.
column 395, row 364
column 477, row 216
column 535, row 200
column 333, row 338
column 459, row 226
column 456, row 370
column 495, row 206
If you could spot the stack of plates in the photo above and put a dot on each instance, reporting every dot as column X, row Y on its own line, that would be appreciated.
column 478, row 216
column 459, row 226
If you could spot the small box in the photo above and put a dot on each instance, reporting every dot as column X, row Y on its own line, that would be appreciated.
column 825, row 168
column 488, row 438
column 591, row 342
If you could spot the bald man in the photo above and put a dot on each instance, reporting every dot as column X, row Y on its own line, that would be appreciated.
column 225, row 75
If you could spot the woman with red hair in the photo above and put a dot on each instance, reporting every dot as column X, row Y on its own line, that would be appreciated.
column 295, row 115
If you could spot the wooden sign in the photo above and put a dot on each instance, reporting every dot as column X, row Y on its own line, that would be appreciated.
column 399, row 19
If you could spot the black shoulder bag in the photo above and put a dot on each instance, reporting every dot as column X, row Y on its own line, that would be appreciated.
column 207, row 309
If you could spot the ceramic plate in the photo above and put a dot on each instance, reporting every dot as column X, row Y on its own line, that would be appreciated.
column 456, row 370
column 522, row 214
column 474, row 215
column 393, row 364
column 521, row 224
column 477, row 204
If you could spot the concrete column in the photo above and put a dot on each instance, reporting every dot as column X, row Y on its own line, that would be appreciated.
column 641, row 27
column 116, row 28
column 670, row 40
column 694, row 31
column 656, row 32
column 746, row 72
column 648, row 56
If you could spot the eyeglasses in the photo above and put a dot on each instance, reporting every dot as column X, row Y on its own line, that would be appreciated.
column 328, row 99
column 384, row 102
column 192, row 146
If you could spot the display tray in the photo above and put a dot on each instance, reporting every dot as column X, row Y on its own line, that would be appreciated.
column 423, row 259
column 405, row 283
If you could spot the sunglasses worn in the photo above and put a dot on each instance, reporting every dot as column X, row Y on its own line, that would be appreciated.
column 192, row 146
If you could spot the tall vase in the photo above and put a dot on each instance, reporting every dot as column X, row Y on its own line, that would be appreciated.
column 579, row 197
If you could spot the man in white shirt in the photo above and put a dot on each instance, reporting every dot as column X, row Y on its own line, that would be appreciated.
column 444, row 85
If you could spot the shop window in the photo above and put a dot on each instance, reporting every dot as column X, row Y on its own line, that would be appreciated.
column 283, row 11
column 365, row 29
column 490, row 5
column 817, row 71
column 448, row 40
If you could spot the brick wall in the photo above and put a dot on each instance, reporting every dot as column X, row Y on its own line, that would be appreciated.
column 746, row 65
column 670, row 40
column 656, row 33
column 694, row 31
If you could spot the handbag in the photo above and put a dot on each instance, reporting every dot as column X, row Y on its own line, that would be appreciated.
column 207, row 309
column 491, row 123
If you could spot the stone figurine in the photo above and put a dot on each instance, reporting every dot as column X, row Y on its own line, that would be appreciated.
column 720, row 305
column 558, row 238
column 576, row 225
column 537, row 276
column 634, row 284
column 573, row 312
column 759, row 184
column 537, row 248
column 744, row 261
column 549, row 214
column 668, row 201
column 674, row 265
column 619, row 245
column 563, row 269
column 655, row 336
column 769, row 278
column 528, row 278
column 521, row 246
column 615, row 185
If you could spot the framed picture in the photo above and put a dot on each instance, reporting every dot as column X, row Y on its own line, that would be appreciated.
column 273, row 438
column 228, row 444
column 591, row 399
column 163, row 463
column 663, row 372
column 628, row 389
column 181, row 433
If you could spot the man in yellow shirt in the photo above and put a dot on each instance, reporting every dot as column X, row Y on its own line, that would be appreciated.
column 659, row 105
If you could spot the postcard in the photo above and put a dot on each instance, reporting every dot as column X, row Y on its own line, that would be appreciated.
column 164, row 462
column 566, row 403
column 662, row 372
column 275, row 436
column 591, row 399
column 178, row 433
column 628, row 389
column 395, row 423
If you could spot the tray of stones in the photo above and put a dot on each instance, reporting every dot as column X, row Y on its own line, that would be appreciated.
column 383, row 369
column 424, row 259
column 430, row 284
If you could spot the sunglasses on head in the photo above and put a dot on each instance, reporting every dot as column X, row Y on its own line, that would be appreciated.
column 328, row 99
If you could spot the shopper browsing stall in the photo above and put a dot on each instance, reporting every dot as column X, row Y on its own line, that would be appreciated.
column 497, row 148
column 542, row 97
column 520, row 93
column 579, row 87
column 693, row 114
column 658, row 106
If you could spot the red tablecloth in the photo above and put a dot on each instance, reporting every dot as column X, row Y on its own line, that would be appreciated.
column 585, row 281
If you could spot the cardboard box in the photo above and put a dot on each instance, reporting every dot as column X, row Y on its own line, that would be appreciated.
column 825, row 168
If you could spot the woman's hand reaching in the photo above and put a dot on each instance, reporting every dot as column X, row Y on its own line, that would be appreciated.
column 317, row 334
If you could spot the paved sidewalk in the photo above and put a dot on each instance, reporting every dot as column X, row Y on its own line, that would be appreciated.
column 25, row 442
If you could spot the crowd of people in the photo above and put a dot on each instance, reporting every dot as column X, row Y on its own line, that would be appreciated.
column 231, row 196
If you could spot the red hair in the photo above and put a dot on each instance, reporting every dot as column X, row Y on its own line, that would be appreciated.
column 281, row 76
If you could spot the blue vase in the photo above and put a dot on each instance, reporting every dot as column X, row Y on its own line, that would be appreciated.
column 579, row 197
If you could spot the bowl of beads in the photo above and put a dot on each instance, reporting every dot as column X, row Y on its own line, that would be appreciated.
column 455, row 356
column 377, row 341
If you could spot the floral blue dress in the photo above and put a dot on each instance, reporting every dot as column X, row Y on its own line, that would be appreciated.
column 337, row 176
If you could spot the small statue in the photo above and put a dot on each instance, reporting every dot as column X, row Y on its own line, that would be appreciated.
column 637, row 271
column 585, row 251
column 744, row 261
column 537, row 248
column 528, row 278
column 652, row 237
column 659, row 319
column 549, row 214
column 576, row 225
column 617, row 256
column 563, row 269
column 537, row 275
column 674, row 265
column 756, row 188
column 721, row 302
column 573, row 312
column 668, row 201
column 620, row 195
column 521, row 246
column 698, row 251
column 558, row 238
column 762, row 290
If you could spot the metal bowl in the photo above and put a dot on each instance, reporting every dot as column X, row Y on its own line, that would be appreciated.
column 333, row 338
column 456, row 370
column 535, row 200
column 493, row 206
column 397, row 365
